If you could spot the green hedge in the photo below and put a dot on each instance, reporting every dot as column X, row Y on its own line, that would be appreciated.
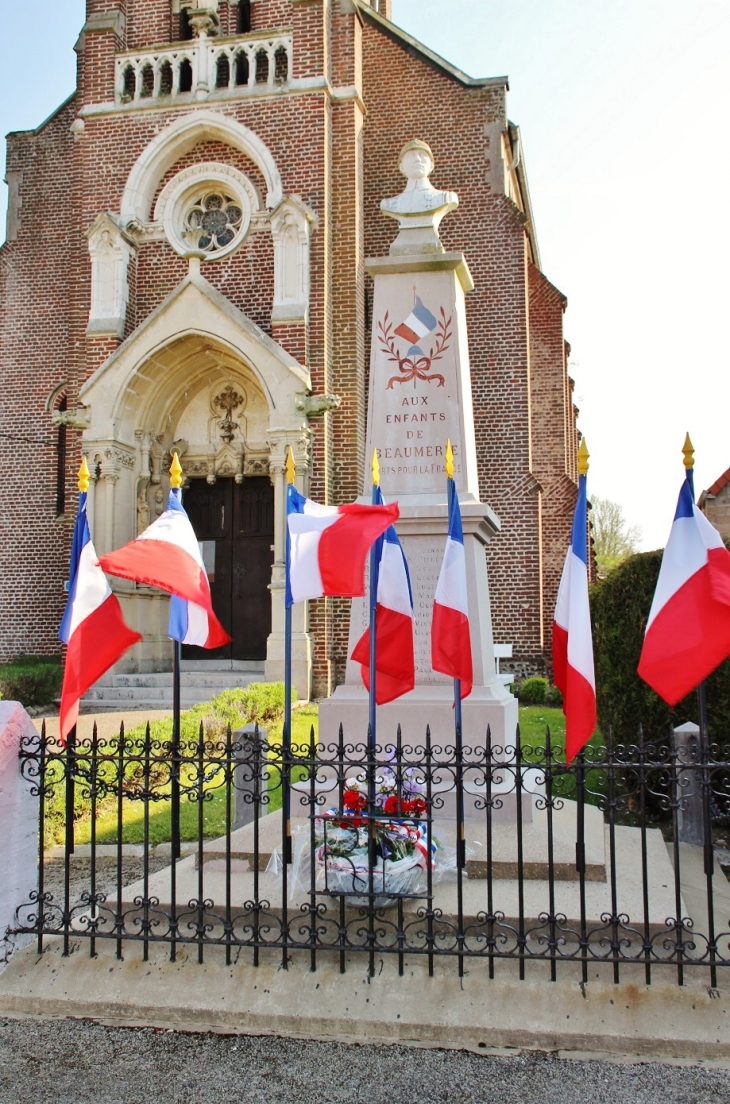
column 620, row 607
column 260, row 703
column 31, row 680
column 533, row 691
column 554, row 696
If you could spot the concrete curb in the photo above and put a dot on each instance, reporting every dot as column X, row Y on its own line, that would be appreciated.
column 629, row 1021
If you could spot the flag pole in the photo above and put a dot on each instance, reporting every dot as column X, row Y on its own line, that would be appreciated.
column 372, row 737
column 83, row 485
column 689, row 465
column 375, row 468
column 286, row 734
column 459, row 749
column 176, row 486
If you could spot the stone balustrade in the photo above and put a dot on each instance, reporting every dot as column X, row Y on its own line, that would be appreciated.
column 204, row 66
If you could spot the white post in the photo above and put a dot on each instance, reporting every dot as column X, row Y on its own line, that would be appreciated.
column 690, row 815
column 18, row 823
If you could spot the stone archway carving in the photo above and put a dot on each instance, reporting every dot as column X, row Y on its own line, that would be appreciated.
column 178, row 139
column 194, row 346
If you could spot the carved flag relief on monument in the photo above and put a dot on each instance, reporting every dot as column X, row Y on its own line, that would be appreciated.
column 416, row 364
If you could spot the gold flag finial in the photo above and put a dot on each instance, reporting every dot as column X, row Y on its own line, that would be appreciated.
column 689, row 453
column 175, row 472
column 449, row 460
column 376, row 469
column 583, row 456
column 291, row 468
column 84, row 476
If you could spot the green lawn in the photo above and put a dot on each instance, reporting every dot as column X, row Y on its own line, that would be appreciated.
column 534, row 719
column 214, row 806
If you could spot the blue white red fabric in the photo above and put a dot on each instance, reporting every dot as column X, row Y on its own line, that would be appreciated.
column 573, row 669
column 167, row 555
column 450, row 636
column 395, row 663
column 92, row 626
column 327, row 546
column 419, row 323
column 688, row 631
column 421, row 843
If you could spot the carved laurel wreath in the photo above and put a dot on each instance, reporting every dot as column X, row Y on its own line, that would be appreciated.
column 415, row 368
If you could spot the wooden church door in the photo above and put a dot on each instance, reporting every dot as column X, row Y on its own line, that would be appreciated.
column 234, row 523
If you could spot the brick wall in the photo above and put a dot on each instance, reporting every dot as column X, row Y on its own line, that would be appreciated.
column 34, row 355
column 341, row 163
column 488, row 228
column 554, row 439
column 716, row 508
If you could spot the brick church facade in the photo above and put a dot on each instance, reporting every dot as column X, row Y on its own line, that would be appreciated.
column 184, row 266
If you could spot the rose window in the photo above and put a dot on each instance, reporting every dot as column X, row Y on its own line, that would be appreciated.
column 217, row 218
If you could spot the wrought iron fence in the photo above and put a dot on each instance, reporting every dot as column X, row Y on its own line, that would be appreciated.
column 433, row 850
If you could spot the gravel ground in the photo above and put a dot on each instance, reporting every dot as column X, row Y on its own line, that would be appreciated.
column 107, row 724
column 106, row 876
column 67, row 1062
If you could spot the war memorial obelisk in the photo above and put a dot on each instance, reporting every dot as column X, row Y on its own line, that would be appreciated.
column 420, row 396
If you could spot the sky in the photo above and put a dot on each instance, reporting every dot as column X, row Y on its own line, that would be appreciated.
column 623, row 111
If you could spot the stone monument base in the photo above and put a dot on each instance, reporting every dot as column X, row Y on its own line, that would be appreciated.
column 487, row 706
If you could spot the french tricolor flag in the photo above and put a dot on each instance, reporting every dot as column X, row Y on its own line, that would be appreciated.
column 450, row 637
column 167, row 555
column 395, row 662
column 419, row 324
column 328, row 546
column 572, row 639
column 688, row 631
column 92, row 626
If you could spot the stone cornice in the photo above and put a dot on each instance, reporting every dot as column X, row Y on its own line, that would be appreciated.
column 428, row 262
column 305, row 86
column 103, row 22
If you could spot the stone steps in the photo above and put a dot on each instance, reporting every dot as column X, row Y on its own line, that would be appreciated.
column 201, row 681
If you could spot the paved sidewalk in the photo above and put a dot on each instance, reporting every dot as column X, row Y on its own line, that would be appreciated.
column 107, row 725
column 70, row 1062
column 657, row 1022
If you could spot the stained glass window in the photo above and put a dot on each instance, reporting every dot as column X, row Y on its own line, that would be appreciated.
column 217, row 217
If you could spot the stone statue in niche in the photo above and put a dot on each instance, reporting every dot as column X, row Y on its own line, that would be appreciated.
column 143, row 506
column 419, row 208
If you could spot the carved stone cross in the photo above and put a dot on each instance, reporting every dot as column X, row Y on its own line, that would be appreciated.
column 228, row 401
